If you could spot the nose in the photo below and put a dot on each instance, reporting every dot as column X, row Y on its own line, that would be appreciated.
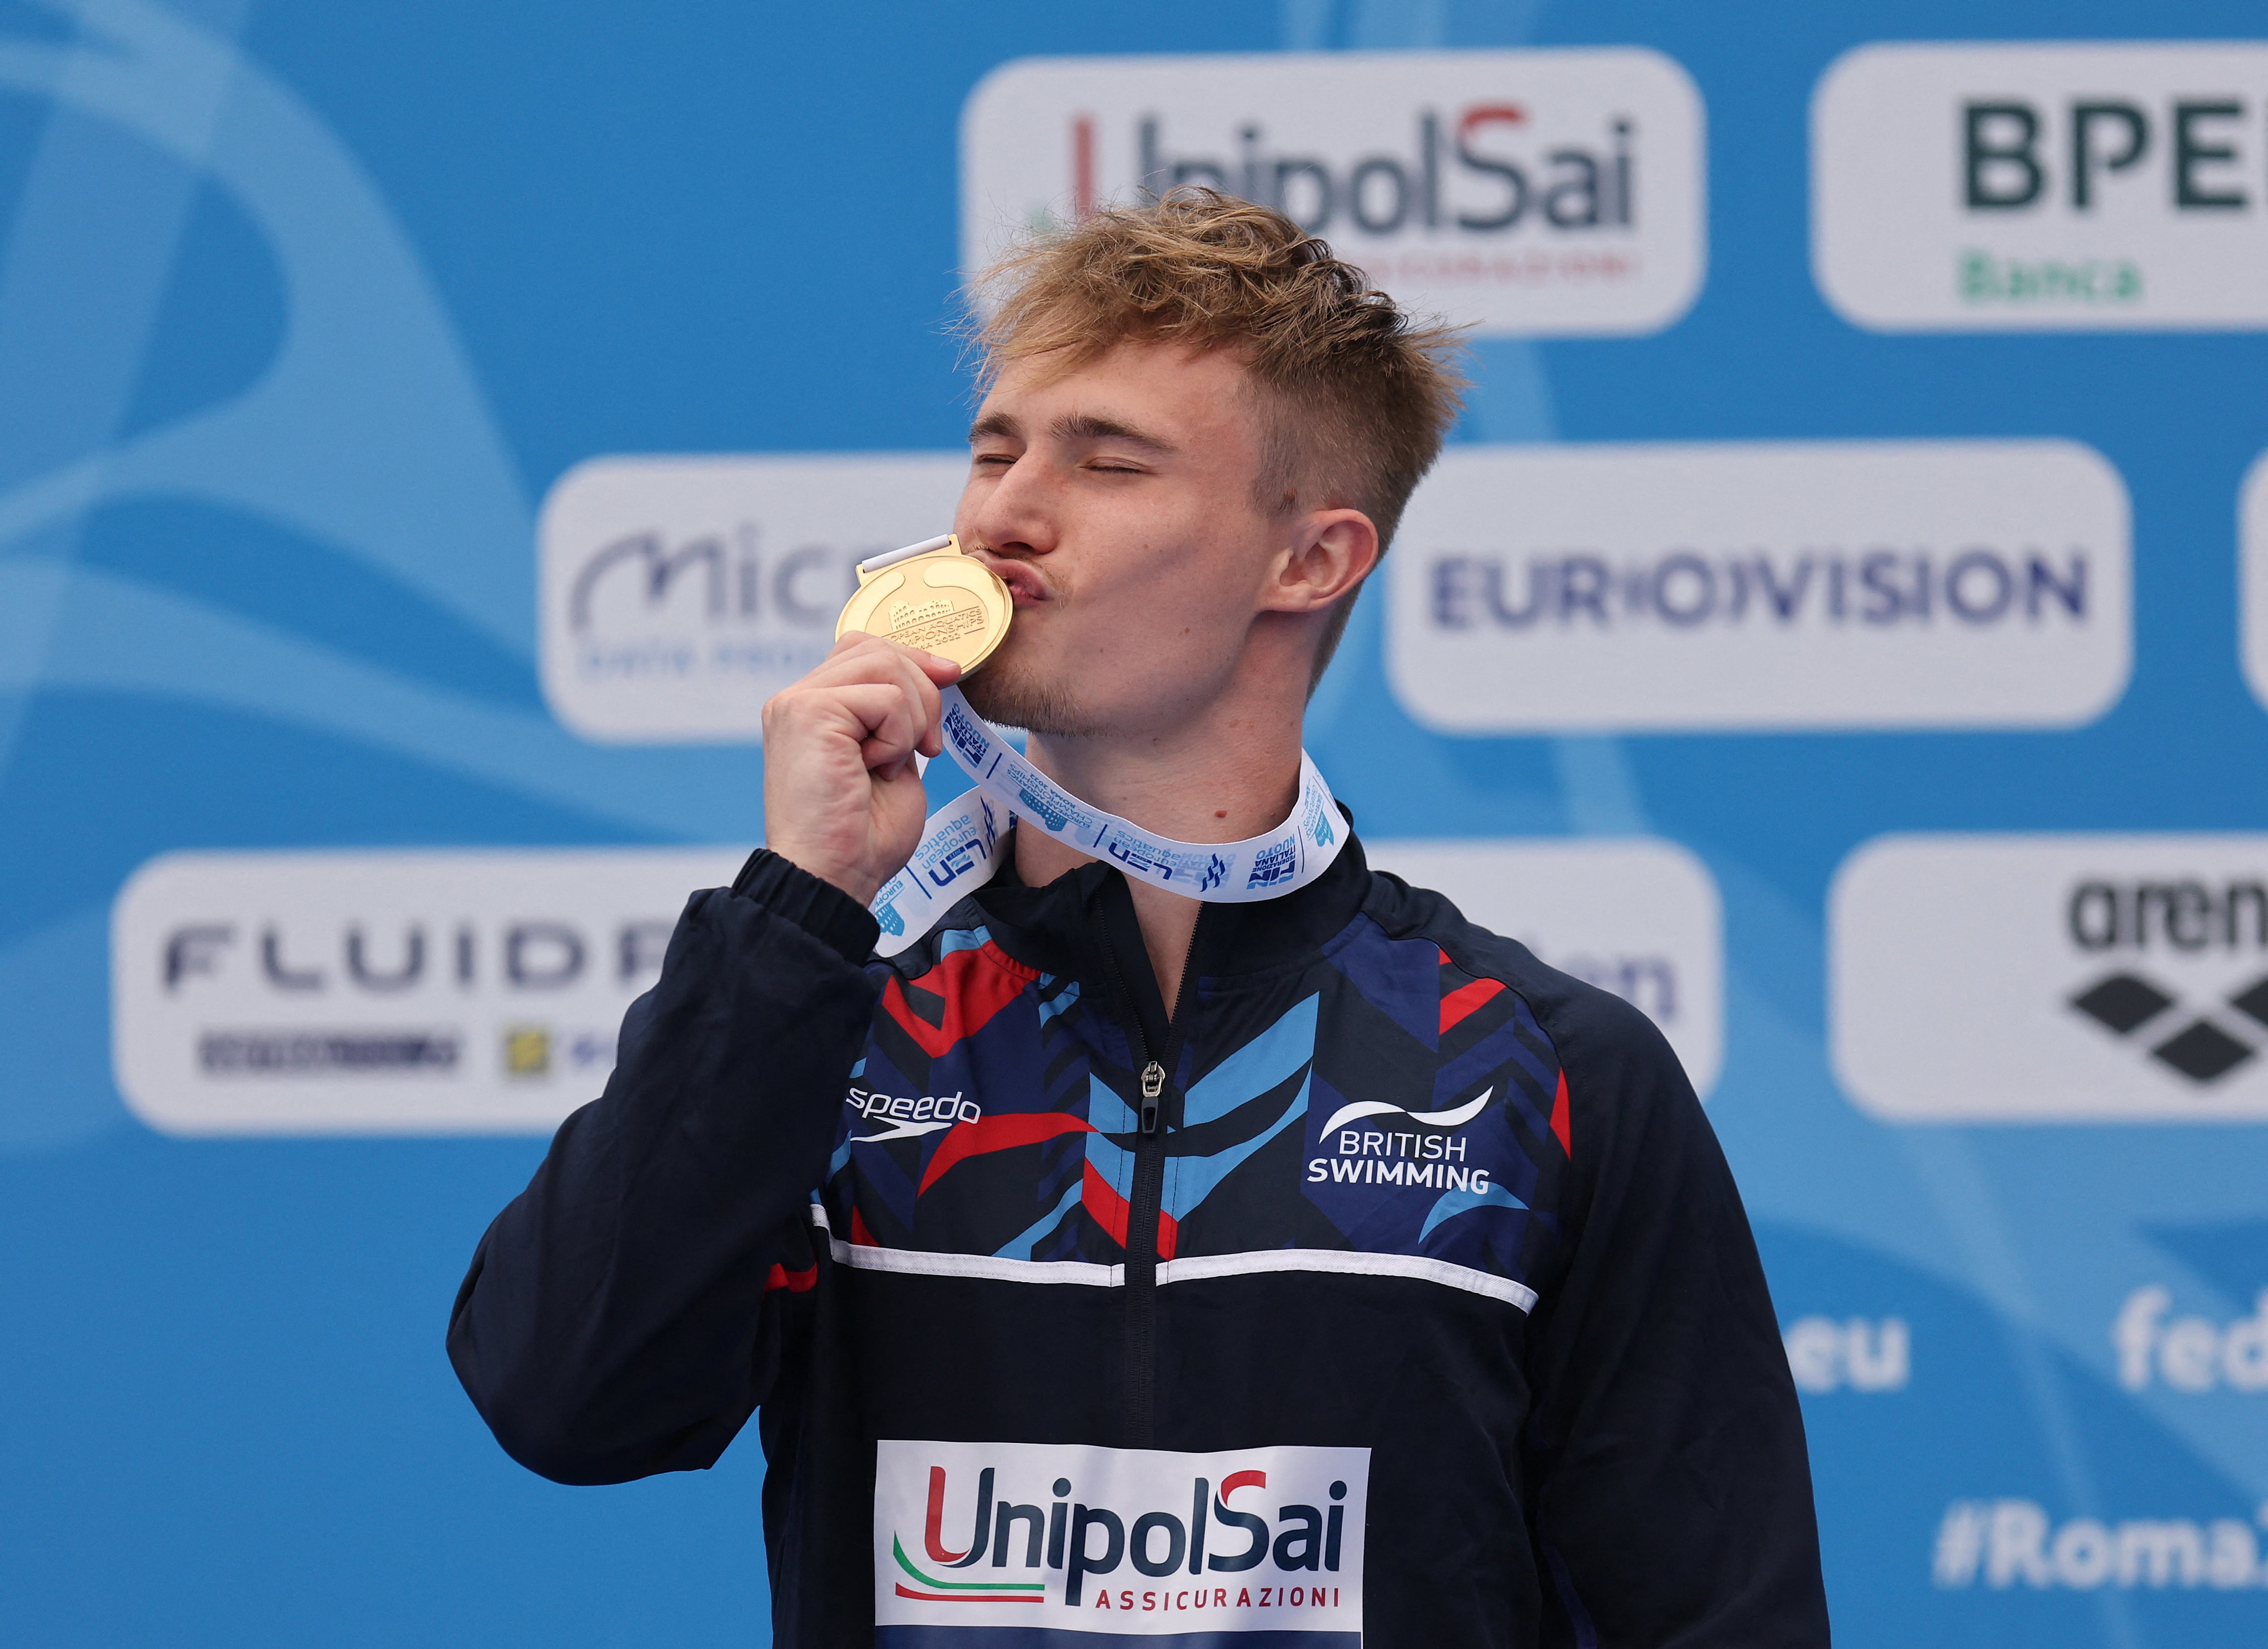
column 1014, row 513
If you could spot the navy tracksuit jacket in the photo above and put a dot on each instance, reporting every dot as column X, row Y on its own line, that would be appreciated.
column 1381, row 1182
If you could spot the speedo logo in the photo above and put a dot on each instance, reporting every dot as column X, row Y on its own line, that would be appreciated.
column 996, row 1534
column 907, row 1117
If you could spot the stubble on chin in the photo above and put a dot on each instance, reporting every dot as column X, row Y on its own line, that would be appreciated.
column 1009, row 696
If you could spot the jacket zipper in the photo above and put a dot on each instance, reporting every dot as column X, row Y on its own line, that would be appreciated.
column 1142, row 1206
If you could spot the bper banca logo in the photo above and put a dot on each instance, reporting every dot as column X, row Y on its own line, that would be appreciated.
column 2058, row 978
column 2034, row 186
column 1551, row 193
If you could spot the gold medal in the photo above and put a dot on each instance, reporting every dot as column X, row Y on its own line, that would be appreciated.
column 936, row 598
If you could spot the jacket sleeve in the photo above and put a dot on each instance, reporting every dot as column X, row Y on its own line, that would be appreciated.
column 1669, row 1485
column 624, row 1315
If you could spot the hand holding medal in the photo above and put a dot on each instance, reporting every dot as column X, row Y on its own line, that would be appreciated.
column 934, row 597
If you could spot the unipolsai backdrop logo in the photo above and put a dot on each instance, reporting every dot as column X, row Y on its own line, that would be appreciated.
column 1544, row 193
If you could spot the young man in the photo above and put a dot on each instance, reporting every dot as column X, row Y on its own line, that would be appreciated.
column 1317, row 1271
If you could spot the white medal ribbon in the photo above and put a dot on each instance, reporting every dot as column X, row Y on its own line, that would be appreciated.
column 960, row 845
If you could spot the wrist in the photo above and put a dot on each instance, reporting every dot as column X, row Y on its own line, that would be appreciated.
column 823, row 907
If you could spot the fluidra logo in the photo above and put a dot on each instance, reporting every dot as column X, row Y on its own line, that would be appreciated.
column 1011, row 1535
column 679, row 594
column 1529, row 192
column 396, row 992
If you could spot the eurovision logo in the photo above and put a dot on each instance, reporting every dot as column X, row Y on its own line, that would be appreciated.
column 2022, row 186
column 1826, row 584
column 1536, row 192
column 1637, row 916
column 2052, row 978
column 987, row 1537
column 677, row 594
column 386, row 992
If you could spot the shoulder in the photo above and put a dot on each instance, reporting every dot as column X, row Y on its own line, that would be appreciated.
column 1612, row 1054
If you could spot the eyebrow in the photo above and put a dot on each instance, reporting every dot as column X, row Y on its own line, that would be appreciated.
column 1076, row 426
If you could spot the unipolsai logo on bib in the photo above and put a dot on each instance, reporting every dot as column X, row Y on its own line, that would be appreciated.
column 1136, row 1542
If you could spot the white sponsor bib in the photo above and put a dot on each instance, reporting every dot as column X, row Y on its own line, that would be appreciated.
column 1140, row 1542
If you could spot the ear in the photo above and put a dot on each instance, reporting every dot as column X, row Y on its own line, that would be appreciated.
column 1330, row 552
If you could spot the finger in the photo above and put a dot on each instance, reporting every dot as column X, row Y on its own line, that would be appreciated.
column 907, row 669
column 857, row 651
column 886, row 720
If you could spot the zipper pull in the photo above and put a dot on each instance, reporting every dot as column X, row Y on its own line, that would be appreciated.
column 1153, row 1084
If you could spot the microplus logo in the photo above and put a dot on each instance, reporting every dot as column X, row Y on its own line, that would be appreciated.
column 678, row 593
column 2052, row 978
column 384, row 992
column 1796, row 585
column 985, row 1536
column 2094, row 185
column 1540, row 193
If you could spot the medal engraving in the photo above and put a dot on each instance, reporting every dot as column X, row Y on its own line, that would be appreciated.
column 940, row 600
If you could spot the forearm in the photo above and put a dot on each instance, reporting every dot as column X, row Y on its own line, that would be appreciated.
column 614, row 1322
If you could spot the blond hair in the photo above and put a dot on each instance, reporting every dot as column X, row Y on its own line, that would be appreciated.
column 1356, row 394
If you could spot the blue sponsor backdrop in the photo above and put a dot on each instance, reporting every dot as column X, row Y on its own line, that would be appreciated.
column 302, row 309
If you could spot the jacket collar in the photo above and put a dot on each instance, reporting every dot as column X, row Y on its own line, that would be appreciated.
column 1054, row 927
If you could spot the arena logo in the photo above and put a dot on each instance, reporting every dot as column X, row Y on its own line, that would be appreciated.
column 1857, row 1354
column 384, row 992
column 1637, row 916
column 679, row 594
column 2110, row 184
column 2063, row 978
column 1797, row 586
column 2013, row 1542
column 1545, row 192
column 988, row 1536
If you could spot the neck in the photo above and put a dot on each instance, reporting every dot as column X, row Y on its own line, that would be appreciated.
column 1224, row 774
